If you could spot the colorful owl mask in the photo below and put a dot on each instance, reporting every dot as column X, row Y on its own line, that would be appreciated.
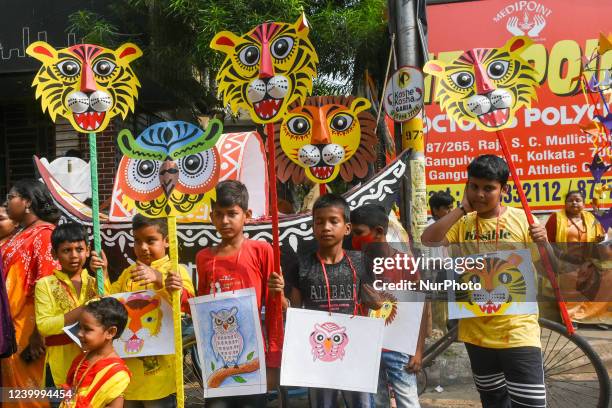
column 267, row 69
column 486, row 86
column 87, row 84
column 327, row 136
column 168, row 168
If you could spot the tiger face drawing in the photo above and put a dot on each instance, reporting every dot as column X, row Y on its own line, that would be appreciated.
column 86, row 84
column 486, row 86
column 144, row 320
column 501, row 284
column 388, row 310
column 327, row 136
column 267, row 69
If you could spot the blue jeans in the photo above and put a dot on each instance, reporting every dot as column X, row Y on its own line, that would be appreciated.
column 328, row 398
column 403, row 383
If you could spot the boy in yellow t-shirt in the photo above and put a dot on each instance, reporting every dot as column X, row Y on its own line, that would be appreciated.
column 153, row 378
column 504, row 351
column 59, row 298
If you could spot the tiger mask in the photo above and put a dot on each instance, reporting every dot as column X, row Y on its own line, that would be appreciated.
column 327, row 136
column 267, row 69
column 486, row 86
column 501, row 284
column 86, row 84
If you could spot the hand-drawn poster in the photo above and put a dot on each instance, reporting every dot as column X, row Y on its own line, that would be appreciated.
column 507, row 287
column 325, row 350
column 149, row 330
column 402, row 312
column 230, row 343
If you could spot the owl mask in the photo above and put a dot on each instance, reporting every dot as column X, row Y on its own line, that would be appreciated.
column 486, row 86
column 168, row 168
column 267, row 69
column 86, row 84
column 329, row 135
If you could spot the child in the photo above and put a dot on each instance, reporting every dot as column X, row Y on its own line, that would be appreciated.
column 504, row 351
column 440, row 204
column 369, row 225
column 238, row 263
column 345, row 273
column 59, row 298
column 98, row 377
column 153, row 378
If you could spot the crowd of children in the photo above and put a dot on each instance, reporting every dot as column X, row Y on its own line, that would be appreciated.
column 504, row 351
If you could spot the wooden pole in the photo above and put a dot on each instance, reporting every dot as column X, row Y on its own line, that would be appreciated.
column 95, row 206
column 176, row 313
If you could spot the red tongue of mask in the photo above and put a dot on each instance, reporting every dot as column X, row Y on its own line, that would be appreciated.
column 359, row 241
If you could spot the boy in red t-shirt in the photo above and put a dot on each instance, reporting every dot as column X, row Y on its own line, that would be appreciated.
column 239, row 263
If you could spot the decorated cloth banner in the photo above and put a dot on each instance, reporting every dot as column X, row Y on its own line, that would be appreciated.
column 402, row 312
column 403, row 98
column 86, row 84
column 169, row 168
column 149, row 330
column 266, row 69
column 230, row 343
column 326, row 350
column 486, row 86
column 327, row 136
column 507, row 287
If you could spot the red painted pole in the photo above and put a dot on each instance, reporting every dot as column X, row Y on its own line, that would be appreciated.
column 543, row 253
column 273, row 195
column 322, row 189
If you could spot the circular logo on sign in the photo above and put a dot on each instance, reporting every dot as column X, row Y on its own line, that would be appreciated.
column 403, row 97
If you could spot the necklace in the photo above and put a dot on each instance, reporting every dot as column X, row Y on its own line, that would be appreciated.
column 580, row 232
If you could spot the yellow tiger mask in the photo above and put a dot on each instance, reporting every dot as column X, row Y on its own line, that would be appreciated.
column 327, row 136
column 486, row 86
column 501, row 284
column 267, row 69
column 86, row 84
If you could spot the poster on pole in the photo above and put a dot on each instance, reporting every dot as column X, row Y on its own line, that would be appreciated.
column 403, row 98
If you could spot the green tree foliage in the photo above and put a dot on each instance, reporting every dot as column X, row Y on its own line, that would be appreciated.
column 350, row 36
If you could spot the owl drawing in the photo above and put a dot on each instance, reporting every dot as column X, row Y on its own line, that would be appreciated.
column 169, row 167
column 328, row 341
column 227, row 342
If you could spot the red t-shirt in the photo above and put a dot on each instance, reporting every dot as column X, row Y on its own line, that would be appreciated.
column 250, row 267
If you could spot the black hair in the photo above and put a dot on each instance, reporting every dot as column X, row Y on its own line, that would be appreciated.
column 41, row 202
column 109, row 312
column 489, row 167
column 231, row 192
column 332, row 200
column 69, row 232
column 372, row 215
column 439, row 199
column 580, row 193
column 140, row 221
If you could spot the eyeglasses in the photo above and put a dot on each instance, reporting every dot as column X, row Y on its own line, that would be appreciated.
column 10, row 196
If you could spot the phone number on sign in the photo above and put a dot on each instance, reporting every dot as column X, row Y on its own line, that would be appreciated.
column 31, row 394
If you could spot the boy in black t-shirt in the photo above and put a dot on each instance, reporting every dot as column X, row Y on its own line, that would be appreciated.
column 340, row 291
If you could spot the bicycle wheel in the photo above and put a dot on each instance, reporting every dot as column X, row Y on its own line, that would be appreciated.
column 192, row 374
column 573, row 372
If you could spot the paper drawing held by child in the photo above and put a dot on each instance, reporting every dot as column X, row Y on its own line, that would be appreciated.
column 328, row 341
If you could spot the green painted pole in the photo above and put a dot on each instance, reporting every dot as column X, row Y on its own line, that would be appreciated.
column 95, row 206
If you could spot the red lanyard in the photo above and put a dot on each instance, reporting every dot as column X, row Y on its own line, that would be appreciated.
column 214, row 284
column 496, row 230
column 344, row 255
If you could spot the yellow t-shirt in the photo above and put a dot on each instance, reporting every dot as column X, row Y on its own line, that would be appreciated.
column 152, row 377
column 55, row 296
column 497, row 331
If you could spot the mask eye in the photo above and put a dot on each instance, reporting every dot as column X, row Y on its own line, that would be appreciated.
column 143, row 175
column 104, row 67
column 319, row 337
column 337, row 338
column 192, row 163
column 341, row 122
column 475, row 279
column 505, row 278
column 497, row 69
column 196, row 170
column 69, row 68
column 281, row 47
column 249, row 55
column 146, row 168
column 298, row 125
column 463, row 79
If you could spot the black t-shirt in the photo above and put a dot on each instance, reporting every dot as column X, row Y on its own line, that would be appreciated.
column 311, row 282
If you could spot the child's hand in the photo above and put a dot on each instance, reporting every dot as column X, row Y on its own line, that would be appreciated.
column 145, row 274
column 173, row 282
column 465, row 203
column 96, row 262
column 538, row 233
column 416, row 362
column 276, row 283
